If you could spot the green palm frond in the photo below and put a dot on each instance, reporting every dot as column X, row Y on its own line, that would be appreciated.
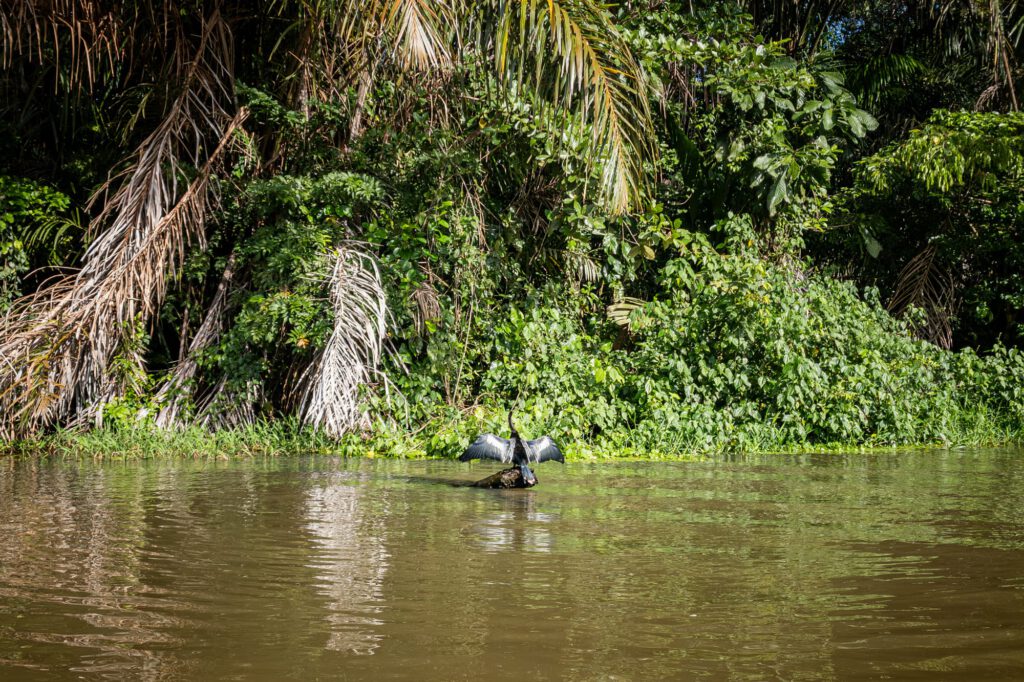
column 571, row 55
column 878, row 77
column 54, row 235
column 924, row 284
column 567, row 55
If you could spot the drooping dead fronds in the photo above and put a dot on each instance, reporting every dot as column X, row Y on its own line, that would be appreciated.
column 56, row 345
column 922, row 283
column 60, row 341
column 426, row 307
column 230, row 405
column 175, row 392
column 621, row 312
column 538, row 194
column 580, row 267
column 340, row 42
column 416, row 27
column 88, row 36
column 332, row 397
column 411, row 33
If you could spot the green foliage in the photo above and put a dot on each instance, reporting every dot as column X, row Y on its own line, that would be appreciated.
column 746, row 348
column 568, row 380
column 31, row 221
column 750, row 130
column 140, row 441
column 953, row 152
column 738, row 355
column 954, row 187
column 698, row 323
column 284, row 314
column 137, row 385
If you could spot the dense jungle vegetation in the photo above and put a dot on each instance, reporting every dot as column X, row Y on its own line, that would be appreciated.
column 659, row 227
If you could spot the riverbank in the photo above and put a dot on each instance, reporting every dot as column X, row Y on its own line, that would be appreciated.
column 287, row 439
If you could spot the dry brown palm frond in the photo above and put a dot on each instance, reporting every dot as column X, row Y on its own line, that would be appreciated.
column 355, row 128
column 342, row 39
column 621, row 312
column 175, row 393
column 348, row 363
column 59, row 342
column 471, row 197
column 86, row 35
column 415, row 25
column 925, row 285
column 414, row 33
column 988, row 99
column 229, row 406
column 426, row 307
column 341, row 43
column 538, row 194
column 148, row 187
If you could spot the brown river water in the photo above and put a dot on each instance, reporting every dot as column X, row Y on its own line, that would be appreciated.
column 905, row 566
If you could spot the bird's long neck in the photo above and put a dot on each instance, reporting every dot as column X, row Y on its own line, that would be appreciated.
column 511, row 426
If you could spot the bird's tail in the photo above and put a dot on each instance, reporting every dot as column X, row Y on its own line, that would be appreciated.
column 528, row 476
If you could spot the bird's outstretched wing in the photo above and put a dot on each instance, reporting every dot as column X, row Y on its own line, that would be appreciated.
column 544, row 449
column 488, row 446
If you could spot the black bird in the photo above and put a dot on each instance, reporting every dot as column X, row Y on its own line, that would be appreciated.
column 516, row 450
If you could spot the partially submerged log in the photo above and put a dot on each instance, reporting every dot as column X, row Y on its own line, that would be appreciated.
column 506, row 478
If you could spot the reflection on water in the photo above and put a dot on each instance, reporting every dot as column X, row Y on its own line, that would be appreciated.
column 514, row 525
column 350, row 565
column 905, row 566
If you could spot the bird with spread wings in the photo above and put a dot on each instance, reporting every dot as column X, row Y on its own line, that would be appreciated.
column 514, row 450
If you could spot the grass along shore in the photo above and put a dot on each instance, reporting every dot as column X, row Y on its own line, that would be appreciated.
column 288, row 439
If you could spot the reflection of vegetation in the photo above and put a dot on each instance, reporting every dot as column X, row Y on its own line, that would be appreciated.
column 634, row 221
column 295, row 566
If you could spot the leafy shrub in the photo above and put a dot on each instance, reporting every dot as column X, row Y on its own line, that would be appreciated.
column 30, row 218
column 745, row 351
column 738, row 354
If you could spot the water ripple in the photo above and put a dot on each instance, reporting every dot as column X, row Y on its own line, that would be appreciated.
column 787, row 568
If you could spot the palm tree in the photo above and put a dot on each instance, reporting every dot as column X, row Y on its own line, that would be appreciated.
column 179, row 66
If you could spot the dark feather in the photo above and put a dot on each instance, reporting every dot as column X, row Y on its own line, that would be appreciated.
column 488, row 446
column 544, row 449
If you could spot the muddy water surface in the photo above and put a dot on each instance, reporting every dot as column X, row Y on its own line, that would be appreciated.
column 901, row 566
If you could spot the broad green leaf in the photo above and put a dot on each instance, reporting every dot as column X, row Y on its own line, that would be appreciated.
column 777, row 194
